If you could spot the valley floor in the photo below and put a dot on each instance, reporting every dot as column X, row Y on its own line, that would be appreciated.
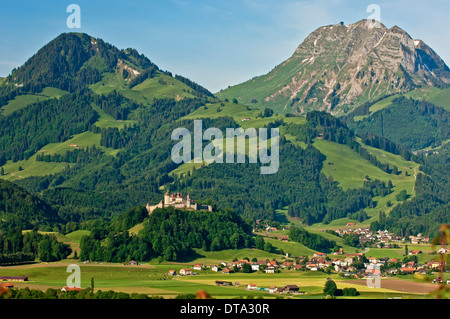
column 153, row 280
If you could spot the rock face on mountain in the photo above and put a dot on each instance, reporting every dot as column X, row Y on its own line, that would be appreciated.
column 338, row 67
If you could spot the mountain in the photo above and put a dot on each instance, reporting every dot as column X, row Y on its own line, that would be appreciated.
column 73, row 62
column 339, row 67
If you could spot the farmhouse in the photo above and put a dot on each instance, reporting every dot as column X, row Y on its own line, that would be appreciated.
column 270, row 270
column 185, row 272
column 177, row 200
column 289, row 289
column 223, row 283
column 70, row 288
column 14, row 278
column 251, row 286
column 255, row 266
column 198, row 267
column 226, row 271
column 407, row 269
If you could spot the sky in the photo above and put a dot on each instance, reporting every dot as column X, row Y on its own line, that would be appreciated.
column 215, row 43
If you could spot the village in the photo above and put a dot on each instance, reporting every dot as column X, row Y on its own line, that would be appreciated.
column 359, row 265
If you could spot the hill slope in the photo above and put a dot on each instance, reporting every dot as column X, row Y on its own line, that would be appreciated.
column 339, row 67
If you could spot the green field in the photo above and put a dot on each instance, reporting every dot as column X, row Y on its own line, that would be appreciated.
column 160, row 87
column 31, row 167
column 153, row 280
column 22, row 101
column 349, row 169
column 240, row 112
column 437, row 96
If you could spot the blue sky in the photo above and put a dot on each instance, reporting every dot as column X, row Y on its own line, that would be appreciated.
column 214, row 43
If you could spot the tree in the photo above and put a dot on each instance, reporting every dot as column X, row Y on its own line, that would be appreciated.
column 350, row 292
column 259, row 242
column 246, row 268
column 2, row 172
column 215, row 244
column 402, row 196
column 268, row 247
column 330, row 288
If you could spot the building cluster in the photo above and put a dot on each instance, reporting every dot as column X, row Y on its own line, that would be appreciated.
column 355, row 265
column 381, row 238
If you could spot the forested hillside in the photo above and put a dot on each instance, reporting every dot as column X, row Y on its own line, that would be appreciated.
column 412, row 123
column 430, row 207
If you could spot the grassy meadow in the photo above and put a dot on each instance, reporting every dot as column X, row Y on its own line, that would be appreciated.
column 153, row 280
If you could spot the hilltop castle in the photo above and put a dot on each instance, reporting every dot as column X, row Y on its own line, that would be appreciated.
column 178, row 201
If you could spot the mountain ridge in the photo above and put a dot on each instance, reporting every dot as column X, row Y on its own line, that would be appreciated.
column 338, row 67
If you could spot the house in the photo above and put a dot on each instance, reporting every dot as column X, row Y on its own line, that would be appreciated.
column 415, row 252
column 132, row 263
column 298, row 267
column 185, row 272
column 223, row 283
column 392, row 271
column 70, row 288
column 172, row 273
column 215, row 268
column 198, row 267
column 347, row 261
column 255, row 266
column 408, row 270
column 273, row 263
column 270, row 270
column 443, row 251
column 289, row 289
column 270, row 229
column 393, row 260
column 286, row 264
column 251, row 286
column 319, row 255
column 227, row 270
column 13, row 278
column 433, row 264
column 272, row 289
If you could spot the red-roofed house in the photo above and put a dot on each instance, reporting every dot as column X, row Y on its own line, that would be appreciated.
column 70, row 288
column 185, row 272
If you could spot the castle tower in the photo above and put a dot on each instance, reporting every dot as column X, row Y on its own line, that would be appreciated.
column 166, row 198
column 188, row 201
